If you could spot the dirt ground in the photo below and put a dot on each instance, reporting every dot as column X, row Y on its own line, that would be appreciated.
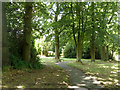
column 48, row 77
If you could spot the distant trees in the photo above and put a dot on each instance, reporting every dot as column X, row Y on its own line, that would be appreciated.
column 93, row 22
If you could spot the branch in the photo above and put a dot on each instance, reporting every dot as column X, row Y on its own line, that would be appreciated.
column 85, row 24
column 73, row 28
column 111, row 18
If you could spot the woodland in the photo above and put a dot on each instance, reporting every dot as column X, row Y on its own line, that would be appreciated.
column 40, row 38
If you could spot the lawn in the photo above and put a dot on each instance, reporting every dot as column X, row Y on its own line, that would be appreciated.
column 105, row 72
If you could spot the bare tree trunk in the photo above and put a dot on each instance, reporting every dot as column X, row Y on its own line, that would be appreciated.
column 56, row 38
column 119, row 42
column 103, row 52
column 112, row 51
column 112, row 55
column 56, row 45
column 92, row 46
column 92, row 51
column 92, row 41
column 5, row 50
column 79, row 48
column 27, row 31
column 107, row 53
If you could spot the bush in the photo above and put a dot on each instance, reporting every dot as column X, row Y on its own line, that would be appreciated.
column 86, row 54
column 69, row 51
column 18, row 63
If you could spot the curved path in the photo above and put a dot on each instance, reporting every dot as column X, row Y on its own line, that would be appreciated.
column 78, row 79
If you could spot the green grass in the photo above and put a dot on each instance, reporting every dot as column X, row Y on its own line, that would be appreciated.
column 68, row 59
column 104, row 71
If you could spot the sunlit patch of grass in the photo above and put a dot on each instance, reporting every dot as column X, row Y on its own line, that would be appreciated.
column 69, row 59
column 106, row 72
column 20, row 86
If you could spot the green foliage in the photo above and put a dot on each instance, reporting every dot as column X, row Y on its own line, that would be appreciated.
column 86, row 54
column 43, row 24
column 69, row 51
column 18, row 63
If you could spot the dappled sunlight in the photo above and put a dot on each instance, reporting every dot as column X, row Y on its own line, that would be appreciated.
column 57, row 75
column 81, row 85
column 56, row 63
column 20, row 86
column 115, row 67
column 73, row 87
column 90, row 77
column 116, row 80
column 96, row 82
column 113, row 72
column 100, row 72
column 99, row 81
column 77, row 87
column 105, row 66
column 4, row 86
column 50, row 76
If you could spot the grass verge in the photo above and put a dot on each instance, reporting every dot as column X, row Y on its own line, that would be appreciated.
column 105, row 72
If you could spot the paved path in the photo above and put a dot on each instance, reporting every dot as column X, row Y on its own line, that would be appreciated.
column 78, row 78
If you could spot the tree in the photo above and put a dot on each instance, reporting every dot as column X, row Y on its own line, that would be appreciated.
column 92, row 41
column 80, row 11
column 5, row 51
column 56, row 35
column 27, row 31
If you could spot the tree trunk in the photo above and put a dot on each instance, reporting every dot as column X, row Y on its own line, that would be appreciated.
column 112, row 51
column 107, row 53
column 27, row 31
column 112, row 55
column 92, row 51
column 5, row 49
column 56, row 46
column 79, row 47
column 92, row 42
column 103, row 52
column 56, row 38
column 79, row 52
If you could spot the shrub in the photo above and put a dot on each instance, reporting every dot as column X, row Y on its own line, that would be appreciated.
column 69, row 51
column 18, row 63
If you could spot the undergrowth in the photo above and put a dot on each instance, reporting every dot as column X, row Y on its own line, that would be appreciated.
column 18, row 63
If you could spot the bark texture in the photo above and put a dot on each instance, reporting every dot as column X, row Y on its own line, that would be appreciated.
column 27, row 31
column 92, row 41
column 103, row 52
column 107, row 52
column 56, row 37
column 5, row 50
column 80, row 37
column 79, row 48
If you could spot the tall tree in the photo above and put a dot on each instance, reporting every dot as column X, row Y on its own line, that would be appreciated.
column 56, row 35
column 27, row 31
column 80, row 29
column 107, row 12
column 5, row 51
column 92, row 41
